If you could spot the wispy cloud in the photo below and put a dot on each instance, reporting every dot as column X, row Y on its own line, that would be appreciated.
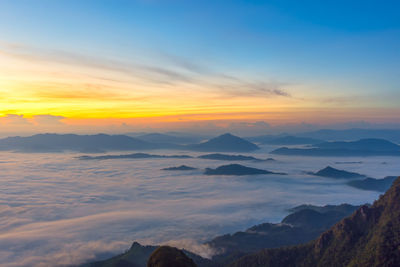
column 14, row 119
column 48, row 119
column 176, row 70
column 241, row 88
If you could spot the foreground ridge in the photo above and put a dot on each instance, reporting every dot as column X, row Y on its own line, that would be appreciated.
column 369, row 237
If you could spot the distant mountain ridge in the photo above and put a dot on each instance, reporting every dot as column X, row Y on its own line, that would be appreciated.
column 371, row 144
column 363, row 147
column 218, row 156
column 392, row 135
column 168, row 138
column 293, row 140
column 101, row 143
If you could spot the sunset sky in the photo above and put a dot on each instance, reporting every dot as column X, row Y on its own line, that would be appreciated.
column 127, row 65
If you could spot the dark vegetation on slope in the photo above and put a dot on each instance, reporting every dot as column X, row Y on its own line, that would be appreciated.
column 166, row 256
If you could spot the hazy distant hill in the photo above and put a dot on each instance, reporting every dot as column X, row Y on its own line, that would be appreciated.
column 335, row 173
column 167, row 138
column 236, row 169
column 359, row 181
column 354, row 134
column 369, row 237
column 102, row 142
column 292, row 140
column 227, row 143
column 364, row 147
column 371, row 184
column 218, row 156
column 360, row 145
column 84, row 143
column 263, row 139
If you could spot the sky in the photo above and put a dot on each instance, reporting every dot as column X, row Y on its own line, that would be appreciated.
column 102, row 65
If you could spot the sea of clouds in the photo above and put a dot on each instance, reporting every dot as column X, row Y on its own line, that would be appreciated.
column 58, row 210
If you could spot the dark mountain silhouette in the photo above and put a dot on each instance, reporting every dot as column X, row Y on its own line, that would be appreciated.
column 371, row 184
column 227, row 143
column 218, row 156
column 369, row 237
column 166, row 256
column 167, row 138
column 293, row 140
column 180, row 168
column 335, row 173
column 392, row 135
column 134, row 156
column 364, row 147
column 236, row 169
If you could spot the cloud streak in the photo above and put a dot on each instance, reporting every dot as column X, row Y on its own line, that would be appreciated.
column 178, row 70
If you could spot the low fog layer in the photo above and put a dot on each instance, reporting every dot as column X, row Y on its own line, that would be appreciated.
column 56, row 208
